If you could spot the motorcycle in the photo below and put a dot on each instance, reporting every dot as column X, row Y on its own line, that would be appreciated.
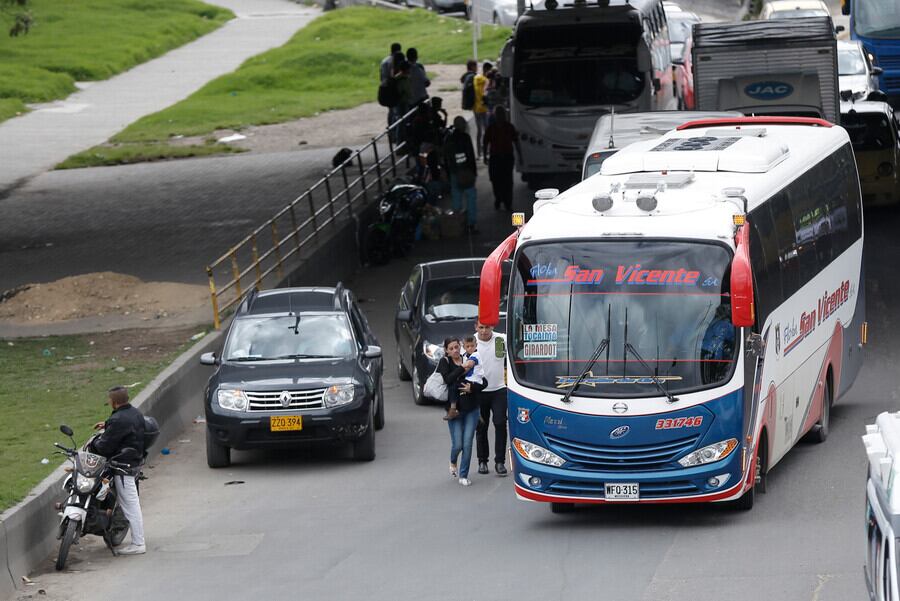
column 92, row 504
column 395, row 231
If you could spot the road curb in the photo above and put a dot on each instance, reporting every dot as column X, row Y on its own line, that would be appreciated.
column 28, row 529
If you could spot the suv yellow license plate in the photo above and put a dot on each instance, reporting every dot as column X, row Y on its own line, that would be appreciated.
column 284, row 423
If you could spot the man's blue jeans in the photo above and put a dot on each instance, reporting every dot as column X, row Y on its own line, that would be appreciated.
column 462, row 433
column 458, row 195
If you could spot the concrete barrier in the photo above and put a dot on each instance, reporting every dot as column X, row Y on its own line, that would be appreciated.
column 28, row 530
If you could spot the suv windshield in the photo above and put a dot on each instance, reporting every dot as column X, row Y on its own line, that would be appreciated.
column 454, row 298
column 669, row 301
column 565, row 66
column 259, row 338
column 850, row 62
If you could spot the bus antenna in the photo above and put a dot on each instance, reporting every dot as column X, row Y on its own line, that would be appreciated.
column 612, row 125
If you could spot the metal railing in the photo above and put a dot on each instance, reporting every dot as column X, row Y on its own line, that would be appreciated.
column 262, row 256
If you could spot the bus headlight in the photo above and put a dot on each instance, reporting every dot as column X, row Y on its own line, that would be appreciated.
column 537, row 454
column 710, row 453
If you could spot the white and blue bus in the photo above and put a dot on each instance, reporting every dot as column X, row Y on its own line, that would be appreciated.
column 677, row 322
column 576, row 62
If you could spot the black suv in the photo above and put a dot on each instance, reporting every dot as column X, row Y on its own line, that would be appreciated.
column 300, row 365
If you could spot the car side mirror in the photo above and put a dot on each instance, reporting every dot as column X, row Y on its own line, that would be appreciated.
column 404, row 315
column 66, row 430
column 372, row 352
column 877, row 96
column 208, row 359
column 839, row 29
column 877, row 70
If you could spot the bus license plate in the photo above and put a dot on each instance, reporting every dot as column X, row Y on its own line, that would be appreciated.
column 622, row 491
column 283, row 423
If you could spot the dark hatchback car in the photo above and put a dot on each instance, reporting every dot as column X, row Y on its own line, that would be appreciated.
column 299, row 366
column 439, row 299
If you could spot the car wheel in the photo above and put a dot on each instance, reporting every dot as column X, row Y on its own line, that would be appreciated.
column 379, row 408
column 217, row 455
column 364, row 448
column 418, row 395
column 402, row 372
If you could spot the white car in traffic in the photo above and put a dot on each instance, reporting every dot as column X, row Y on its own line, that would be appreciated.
column 794, row 9
column 855, row 70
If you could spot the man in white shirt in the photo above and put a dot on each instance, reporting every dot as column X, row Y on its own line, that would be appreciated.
column 492, row 350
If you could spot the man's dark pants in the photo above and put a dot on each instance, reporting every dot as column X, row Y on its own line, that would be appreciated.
column 500, row 171
column 492, row 402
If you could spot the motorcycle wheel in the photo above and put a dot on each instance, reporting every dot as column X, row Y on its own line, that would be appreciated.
column 118, row 528
column 66, row 542
column 377, row 245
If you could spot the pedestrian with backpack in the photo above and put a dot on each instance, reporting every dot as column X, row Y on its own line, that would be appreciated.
column 459, row 157
column 418, row 79
column 468, row 85
column 388, row 96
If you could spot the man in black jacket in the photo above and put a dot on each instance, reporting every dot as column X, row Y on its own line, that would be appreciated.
column 123, row 440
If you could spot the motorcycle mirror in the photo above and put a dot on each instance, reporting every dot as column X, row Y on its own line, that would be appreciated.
column 66, row 430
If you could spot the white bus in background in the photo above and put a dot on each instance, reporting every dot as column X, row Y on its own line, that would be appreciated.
column 570, row 64
column 614, row 132
column 677, row 322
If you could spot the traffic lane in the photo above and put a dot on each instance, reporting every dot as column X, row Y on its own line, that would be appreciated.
column 161, row 221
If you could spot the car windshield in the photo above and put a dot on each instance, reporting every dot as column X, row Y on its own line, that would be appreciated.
column 680, row 28
column 665, row 302
column 868, row 131
column 577, row 66
column 877, row 18
column 260, row 338
column 850, row 62
column 452, row 298
column 798, row 13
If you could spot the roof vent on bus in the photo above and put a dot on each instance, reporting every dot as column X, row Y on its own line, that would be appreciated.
column 659, row 181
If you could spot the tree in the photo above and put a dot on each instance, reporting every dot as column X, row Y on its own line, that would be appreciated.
column 17, row 12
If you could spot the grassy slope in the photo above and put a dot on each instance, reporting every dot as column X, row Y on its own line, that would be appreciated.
column 330, row 64
column 38, row 393
column 92, row 40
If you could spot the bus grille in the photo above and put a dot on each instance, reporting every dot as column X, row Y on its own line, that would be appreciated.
column 889, row 62
column 892, row 83
column 649, row 490
column 300, row 399
column 621, row 459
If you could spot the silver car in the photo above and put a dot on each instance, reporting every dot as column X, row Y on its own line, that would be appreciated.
column 498, row 12
column 855, row 70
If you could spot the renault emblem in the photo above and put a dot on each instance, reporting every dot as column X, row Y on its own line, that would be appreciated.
column 620, row 407
column 285, row 399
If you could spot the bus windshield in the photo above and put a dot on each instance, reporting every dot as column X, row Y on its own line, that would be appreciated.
column 877, row 18
column 566, row 66
column 663, row 303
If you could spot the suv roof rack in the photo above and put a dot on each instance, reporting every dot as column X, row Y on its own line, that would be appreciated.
column 762, row 120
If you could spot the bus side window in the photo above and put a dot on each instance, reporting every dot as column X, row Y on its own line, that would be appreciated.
column 764, row 259
column 809, row 221
column 788, row 255
column 847, row 167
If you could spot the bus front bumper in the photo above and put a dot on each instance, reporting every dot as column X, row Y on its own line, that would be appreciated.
column 722, row 480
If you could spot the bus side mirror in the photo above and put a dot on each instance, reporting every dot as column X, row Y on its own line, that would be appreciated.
column 644, row 60
column 845, row 7
column 506, row 60
column 742, row 281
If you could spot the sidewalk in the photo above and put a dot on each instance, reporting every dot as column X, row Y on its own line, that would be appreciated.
column 36, row 142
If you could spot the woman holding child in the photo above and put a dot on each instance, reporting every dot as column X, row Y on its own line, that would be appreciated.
column 464, row 379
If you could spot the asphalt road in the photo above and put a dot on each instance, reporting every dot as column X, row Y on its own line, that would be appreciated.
column 318, row 525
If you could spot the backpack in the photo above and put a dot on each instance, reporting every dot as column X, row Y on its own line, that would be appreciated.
column 468, row 92
column 389, row 93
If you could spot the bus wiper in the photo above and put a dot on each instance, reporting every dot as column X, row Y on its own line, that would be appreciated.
column 604, row 345
column 630, row 349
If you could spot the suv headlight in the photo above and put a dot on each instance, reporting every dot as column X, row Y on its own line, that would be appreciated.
column 434, row 352
column 84, row 484
column 339, row 394
column 232, row 399
column 537, row 454
column 710, row 453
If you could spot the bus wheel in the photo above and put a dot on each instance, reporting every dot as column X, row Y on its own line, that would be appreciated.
column 562, row 507
column 819, row 432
